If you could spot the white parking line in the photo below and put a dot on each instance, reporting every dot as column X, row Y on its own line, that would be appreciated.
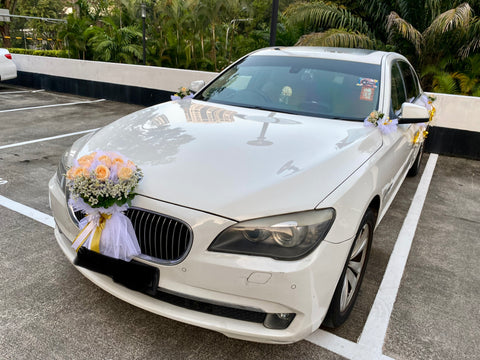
column 372, row 338
column 46, row 139
column 373, row 334
column 20, row 92
column 27, row 211
column 53, row 105
column 370, row 344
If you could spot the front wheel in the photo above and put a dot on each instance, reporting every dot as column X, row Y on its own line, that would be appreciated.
column 413, row 171
column 348, row 286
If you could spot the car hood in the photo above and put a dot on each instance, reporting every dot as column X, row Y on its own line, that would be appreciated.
column 235, row 162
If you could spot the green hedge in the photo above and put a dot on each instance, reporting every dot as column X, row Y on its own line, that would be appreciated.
column 51, row 53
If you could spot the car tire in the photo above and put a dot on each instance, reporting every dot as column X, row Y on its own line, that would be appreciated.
column 353, row 272
column 413, row 171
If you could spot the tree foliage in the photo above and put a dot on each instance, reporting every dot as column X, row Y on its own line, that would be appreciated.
column 440, row 37
column 426, row 32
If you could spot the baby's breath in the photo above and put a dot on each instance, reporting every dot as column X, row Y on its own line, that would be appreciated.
column 104, row 192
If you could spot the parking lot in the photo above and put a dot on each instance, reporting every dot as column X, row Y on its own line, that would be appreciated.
column 420, row 305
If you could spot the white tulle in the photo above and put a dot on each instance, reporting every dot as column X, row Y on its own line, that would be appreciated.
column 118, row 239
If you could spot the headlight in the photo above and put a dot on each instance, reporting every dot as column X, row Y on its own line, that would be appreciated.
column 67, row 158
column 283, row 237
column 62, row 169
column 66, row 162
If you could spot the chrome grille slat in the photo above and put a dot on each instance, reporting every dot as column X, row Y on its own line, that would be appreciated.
column 174, row 235
column 160, row 255
column 157, row 221
column 161, row 238
column 167, row 235
column 142, row 236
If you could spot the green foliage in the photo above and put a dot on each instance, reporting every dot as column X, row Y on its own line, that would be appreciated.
column 337, row 38
column 440, row 37
column 111, row 43
column 321, row 15
column 454, row 77
column 51, row 53
column 426, row 32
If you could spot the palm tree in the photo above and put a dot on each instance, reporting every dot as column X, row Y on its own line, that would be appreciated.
column 426, row 32
column 330, row 25
column 73, row 33
column 445, row 33
column 114, row 44
column 445, row 80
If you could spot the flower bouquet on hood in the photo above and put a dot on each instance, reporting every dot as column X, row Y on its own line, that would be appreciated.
column 101, row 186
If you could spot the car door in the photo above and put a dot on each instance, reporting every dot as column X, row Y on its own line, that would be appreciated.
column 399, row 148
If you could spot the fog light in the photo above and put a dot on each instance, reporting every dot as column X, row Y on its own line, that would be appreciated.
column 278, row 321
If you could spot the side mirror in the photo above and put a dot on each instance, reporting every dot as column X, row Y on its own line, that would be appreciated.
column 413, row 114
column 196, row 85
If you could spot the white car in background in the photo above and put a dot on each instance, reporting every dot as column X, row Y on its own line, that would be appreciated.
column 8, row 70
column 261, row 194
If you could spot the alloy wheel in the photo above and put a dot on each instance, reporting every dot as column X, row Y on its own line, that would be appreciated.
column 355, row 267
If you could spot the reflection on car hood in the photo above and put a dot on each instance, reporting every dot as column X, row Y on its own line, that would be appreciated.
column 235, row 162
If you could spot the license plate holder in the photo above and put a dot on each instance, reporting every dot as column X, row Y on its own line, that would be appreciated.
column 134, row 275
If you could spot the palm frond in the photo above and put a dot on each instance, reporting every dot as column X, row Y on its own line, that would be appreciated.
column 376, row 9
column 323, row 15
column 337, row 38
column 466, row 83
column 458, row 17
column 473, row 36
column 434, row 7
column 395, row 24
column 404, row 8
column 445, row 83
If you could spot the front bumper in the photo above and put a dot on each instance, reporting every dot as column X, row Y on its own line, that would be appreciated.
column 302, row 287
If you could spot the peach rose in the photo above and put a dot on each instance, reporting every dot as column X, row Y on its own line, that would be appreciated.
column 80, row 171
column 124, row 173
column 102, row 172
column 118, row 161
column 105, row 160
column 85, row 160
column 131, row 164
column 70, row 173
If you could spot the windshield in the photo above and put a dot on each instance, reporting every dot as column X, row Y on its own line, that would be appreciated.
column 299, row 85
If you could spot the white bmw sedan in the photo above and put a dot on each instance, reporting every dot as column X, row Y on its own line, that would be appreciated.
column 8, row 70
column 261, row 194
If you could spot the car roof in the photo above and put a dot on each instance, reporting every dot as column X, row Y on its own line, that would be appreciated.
column 347, row 54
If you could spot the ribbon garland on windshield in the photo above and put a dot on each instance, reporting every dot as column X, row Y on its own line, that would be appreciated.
column 102, row 184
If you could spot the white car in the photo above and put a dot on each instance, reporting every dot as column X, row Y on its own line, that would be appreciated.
column 8, row 70
column 261, row 194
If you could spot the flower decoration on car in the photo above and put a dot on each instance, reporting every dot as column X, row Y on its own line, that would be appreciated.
column 183, row 93
column 382, row 122
column 422, row 133
column 420, row 136
column 428, row 101
column 101, row 186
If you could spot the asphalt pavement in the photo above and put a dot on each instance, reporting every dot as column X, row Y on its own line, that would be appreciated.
column 48, row 310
